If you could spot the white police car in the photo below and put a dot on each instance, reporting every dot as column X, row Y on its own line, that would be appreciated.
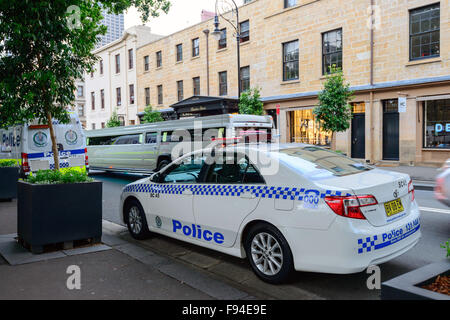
column 291, row 207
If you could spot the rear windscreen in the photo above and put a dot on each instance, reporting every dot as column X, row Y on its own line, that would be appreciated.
column 254, row 135
column 314, row 158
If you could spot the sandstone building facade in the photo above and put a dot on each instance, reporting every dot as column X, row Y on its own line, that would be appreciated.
column 394, row 54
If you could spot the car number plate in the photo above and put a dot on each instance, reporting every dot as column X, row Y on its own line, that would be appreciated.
column 394, row 207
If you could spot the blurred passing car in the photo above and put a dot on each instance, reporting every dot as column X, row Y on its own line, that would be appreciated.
column 442, row 189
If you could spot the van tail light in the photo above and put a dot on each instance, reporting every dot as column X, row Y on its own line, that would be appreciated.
column 349, row 207
column 86, row 158
column 25, row 164
column 411, row 190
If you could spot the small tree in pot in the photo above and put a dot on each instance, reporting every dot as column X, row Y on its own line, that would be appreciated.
column 45, row 46
column 250, row 102
column 151, row 116
column 334, row 111
column 114, row 121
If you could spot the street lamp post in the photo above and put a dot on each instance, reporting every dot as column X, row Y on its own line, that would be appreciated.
column 217, row 34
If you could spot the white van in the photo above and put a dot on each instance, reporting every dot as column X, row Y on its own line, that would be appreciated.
column 31, row 145
column 148, row 148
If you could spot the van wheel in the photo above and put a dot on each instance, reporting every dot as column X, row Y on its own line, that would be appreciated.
column 136, row 221
column 269, row 254
column 163, row 163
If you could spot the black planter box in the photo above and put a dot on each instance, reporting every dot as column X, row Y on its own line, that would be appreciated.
column 8, row 182
column 61, row 213
column 409, row 286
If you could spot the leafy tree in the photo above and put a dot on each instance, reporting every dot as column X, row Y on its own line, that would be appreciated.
column 44, row 47
column 151, row 116
column 114, row 121
column 250, row 102
column 334, row 111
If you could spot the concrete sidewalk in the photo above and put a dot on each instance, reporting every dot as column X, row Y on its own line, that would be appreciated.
column 423, row 177
column 126, row 271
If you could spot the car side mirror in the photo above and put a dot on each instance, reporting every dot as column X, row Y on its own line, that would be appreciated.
column 155, row 177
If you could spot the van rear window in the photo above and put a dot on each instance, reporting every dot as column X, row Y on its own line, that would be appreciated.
column 254, row 135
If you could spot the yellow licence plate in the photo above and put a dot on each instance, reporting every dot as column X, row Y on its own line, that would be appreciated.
column 393, row 207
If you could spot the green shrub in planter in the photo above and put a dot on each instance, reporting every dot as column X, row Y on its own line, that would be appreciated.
column 58, row 207
column 9, row 174
column 63, row 176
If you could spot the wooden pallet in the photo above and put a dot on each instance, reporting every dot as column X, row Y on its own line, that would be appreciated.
column 59, row 246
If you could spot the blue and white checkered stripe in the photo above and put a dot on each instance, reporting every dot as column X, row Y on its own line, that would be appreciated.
column 367, row 244
column 285, row 193
column 372, row 243
column 61, row 166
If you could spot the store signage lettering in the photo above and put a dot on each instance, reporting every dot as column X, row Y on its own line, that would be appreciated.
column 441, row 127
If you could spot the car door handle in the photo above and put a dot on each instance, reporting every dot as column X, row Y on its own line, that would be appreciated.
column 187, row 193
column 248, row 195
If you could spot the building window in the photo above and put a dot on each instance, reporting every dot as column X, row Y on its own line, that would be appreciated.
column 159, row 59
column 180, row 90
column 132, row 122
column 119, row 97
column 131, row 93
column 195, row 47
column 289, row 3
column 245, row 31
column 223, row 87
column 305, row 129
column 424, row 31
column 80, row 91
column 290, row 61
column 160, row 94
column 196, row 86
column 179, row 52
column 147, row 96
column 130, row 59
column 245, row 78
column 331, row 50
column 93, row 100
column 223, row 39
column 146, row 63
column 81, row 110
column 122, row 121
column 118, row 63
column 102, row 98
column 101, row 66
column 93, row 126
column 437, row 124
column 103, row 125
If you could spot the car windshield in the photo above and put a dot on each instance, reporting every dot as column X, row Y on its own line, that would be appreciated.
column 315, row 159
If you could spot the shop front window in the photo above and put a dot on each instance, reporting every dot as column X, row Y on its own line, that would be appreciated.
column 305, row 129
column 437, row 124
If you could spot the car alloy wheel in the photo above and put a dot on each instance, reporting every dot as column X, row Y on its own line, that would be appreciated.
column 267, row 254
column 135, row 220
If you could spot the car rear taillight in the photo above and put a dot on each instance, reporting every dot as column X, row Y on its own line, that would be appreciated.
column 25, row 164
column 86, row 158
column 349, row 207
column 411, row 190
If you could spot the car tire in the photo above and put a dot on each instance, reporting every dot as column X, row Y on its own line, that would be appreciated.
column 269, row 253
column 136, row 221
column 162, row 164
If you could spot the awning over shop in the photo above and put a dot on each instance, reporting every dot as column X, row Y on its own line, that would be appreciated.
column 201, row 106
